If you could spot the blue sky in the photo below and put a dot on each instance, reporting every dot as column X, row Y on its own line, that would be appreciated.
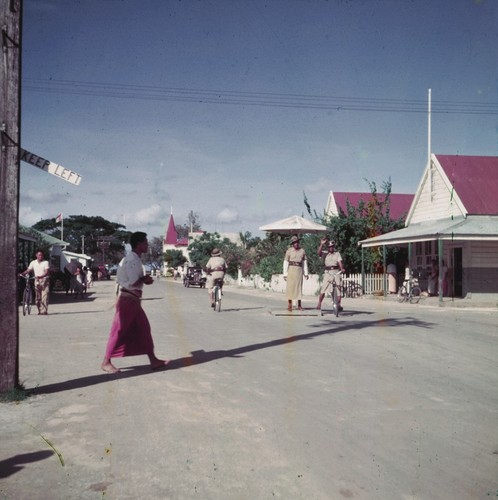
column 233, row 108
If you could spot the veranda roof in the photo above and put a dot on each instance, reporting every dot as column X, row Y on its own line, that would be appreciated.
column 482, row 227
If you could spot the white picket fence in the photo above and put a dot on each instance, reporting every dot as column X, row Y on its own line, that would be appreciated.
column 373, row 284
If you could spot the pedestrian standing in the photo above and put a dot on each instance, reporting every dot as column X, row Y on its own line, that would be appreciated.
column 295, row 267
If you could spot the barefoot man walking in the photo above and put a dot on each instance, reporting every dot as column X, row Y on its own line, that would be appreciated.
column 130, row 330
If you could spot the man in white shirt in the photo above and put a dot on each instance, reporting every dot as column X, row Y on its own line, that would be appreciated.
column 41, row 269
column 130, row 333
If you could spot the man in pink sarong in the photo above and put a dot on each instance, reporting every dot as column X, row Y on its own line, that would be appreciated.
column 130, row 333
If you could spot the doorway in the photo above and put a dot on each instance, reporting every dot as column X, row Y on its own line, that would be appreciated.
column 457, row 266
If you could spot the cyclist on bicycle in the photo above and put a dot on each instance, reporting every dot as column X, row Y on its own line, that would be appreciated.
column 333, row 267
column 215, row 269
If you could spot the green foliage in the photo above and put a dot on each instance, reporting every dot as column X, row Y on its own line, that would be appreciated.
column 248, row 241
column 268, row 266
column 200, row 249
column 369, row 219
column 235, row 256
column 174, row 258
column 268, row 255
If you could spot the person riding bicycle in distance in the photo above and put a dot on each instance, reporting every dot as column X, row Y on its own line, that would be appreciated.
column 215, row 269
column 333, row 265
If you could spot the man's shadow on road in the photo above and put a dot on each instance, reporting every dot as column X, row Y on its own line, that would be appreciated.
column 201, row 356
column 14, row 464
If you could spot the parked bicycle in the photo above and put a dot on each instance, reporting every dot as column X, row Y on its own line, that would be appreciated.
column 351, row 289
column 27, row 296
column 409, row 291
column 217, row 293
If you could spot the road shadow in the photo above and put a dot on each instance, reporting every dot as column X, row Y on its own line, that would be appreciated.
column 70, row 298
column 14, row 464
column 200, row 356
column 238, row 309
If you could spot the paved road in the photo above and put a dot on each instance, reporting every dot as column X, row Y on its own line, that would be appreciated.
column 387, row 401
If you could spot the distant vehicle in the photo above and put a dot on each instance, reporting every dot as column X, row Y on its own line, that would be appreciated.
column 113, row 269
column 194, row 277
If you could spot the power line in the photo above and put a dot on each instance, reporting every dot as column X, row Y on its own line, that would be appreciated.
column 264, row 99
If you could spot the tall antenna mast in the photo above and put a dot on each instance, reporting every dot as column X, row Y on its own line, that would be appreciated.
column 429, row 144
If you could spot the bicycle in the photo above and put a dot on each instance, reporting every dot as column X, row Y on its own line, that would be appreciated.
column 217, row 293
column 409, row 291
column 335, row 296
column 27, row 296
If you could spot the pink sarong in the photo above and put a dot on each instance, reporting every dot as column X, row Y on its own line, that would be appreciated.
column 130, row 330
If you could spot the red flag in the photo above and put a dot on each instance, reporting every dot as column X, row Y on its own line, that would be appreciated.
column 58, row 219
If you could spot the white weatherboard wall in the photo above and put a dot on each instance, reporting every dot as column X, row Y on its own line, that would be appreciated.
column 444, row 203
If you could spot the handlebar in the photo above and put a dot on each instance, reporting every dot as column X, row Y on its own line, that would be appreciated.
column 27, row 278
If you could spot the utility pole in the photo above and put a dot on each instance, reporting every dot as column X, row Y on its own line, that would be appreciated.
column 10, row 104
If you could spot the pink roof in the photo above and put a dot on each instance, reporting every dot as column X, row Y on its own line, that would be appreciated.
column 400, row 203
column 475, row 180
column 171, row 234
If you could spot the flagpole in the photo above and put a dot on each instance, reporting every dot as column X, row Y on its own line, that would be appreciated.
column 429, row 143
column 62, row 227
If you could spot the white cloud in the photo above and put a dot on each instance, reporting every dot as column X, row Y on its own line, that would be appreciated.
column 28, row 217
column 321, row 185
column 42, row 196
column 147, row 216
column 227, row 215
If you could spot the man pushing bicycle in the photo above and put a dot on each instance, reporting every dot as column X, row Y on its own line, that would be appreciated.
column 333, row 269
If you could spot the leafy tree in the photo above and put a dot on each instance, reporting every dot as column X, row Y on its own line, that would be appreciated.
column 174, row 258
column 270, row 252
column 248, row 241
column 154, row 255
column 200, row 251
column 101, row 238
column 269, row 255
column 368, row 219
column 192, row 224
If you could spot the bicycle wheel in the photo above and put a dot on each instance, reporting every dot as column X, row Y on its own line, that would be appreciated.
column 415, row 295
column 402, row 293
column 335, row 301
column 24, row 302
column 217, row 299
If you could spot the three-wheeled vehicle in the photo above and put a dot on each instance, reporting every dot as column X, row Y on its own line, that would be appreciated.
column 194, row 277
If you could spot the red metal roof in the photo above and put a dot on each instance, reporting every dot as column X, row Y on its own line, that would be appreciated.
column 399, row 207
column 475, row 180
column 171, row 234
